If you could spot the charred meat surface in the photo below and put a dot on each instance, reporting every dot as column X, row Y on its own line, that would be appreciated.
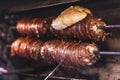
column 73, row 23
column 80, row 25
column 27, row 47
column 34, row 26
column 73, row 53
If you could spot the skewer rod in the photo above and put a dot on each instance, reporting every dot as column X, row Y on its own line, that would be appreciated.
column 100, row 52
column 54, row 70
column 107, row 26
column 112, row 26
column 108, row 53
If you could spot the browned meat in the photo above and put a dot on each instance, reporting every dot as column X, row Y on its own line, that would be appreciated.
column 34, row 26
column 73, row 23
column 87, row 29
column 27, row 47
column 74, row 54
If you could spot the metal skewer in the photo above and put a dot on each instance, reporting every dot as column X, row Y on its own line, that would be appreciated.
column 112, row 26
column 12, row 27
column 108, row 53
column 109, row 26
column 54, row 70
column 103, row 27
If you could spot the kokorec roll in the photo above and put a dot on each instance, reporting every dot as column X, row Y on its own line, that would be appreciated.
column 34, row 26
column 73, row 53
column 78, row 23
column 73, row 23
column 27, row 47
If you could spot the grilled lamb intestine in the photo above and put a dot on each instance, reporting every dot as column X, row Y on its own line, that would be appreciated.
column 34, row 26
column 73, row 53
column 85, row 26
column 89, row 28
column 27, row 47
column 73, row 23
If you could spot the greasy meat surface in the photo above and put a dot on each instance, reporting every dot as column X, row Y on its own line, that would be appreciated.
column 73, row 23
column 88, row 28
column 34, row 26
column 73, row 53
column 27, row 47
